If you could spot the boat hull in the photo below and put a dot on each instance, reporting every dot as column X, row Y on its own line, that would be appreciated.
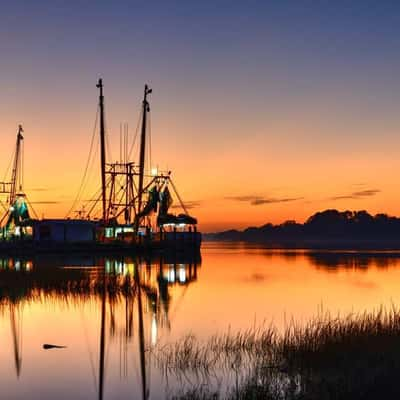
column 180, row 242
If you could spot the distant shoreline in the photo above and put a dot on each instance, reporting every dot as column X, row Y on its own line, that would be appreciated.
column 329, row 229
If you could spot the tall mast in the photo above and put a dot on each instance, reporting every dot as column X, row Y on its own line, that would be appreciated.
column 146, row 109
column 102, row 148
column 16, row 167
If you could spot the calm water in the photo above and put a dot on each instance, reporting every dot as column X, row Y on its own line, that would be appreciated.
column 62, row 301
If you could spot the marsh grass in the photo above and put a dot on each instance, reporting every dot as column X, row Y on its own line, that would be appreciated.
column 352, row 357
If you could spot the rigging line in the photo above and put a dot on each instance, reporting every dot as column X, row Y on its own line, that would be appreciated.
column 93, row 207
column 136, row 133
column 121, row 188
column 3, row 218
column 96, row 200
column 132, row 202
column 4, row 207
column 89, row 170
column 92, row 169
column 30, row 206
column 9, row 166
column 108, row 152
column 96, row 197
column 179, row 197
column 149, row 125
column 87, row 164
column 120, row 200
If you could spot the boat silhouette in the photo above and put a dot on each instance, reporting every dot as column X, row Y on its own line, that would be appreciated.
column 131, row 210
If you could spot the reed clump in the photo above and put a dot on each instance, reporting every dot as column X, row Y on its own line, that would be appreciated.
column 352, row 357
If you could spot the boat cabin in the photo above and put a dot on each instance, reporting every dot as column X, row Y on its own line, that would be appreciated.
column 64, row 230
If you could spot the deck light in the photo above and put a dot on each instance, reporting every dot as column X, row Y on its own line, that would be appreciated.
column 154, row 171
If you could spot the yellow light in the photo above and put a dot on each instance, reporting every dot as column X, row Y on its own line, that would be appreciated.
column 154, row 331
column 154, row 171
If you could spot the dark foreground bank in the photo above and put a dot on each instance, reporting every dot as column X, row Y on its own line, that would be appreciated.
column 353, row 357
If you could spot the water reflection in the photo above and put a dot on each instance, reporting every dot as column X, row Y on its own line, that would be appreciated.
column 111, row 311
column 336, row 260
column 133, row 297
column 332, row 261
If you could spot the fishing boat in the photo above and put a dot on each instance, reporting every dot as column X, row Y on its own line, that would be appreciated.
column 131, row 211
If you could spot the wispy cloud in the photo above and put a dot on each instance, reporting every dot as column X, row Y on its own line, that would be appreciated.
column 359, row 184
column 188, row 204
column 357, row 195
column 37, row 189
column 45, row 202
column 366, row 193
column 260, row 200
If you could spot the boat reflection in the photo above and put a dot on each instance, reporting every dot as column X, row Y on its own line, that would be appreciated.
column 134, row 296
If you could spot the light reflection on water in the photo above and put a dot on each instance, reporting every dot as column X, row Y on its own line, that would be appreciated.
column 145, row 303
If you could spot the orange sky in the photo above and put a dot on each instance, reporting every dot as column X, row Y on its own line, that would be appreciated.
column 282, row 106
column 290, row 180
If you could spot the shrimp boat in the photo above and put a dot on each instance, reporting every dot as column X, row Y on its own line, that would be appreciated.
column 131, row 211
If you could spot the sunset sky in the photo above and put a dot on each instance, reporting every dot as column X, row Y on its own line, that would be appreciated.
column 264, row 111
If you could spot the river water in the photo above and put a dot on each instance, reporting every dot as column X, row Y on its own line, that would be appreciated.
column 111, row 312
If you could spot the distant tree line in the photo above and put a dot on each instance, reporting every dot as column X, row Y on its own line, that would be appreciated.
column 328, row 224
